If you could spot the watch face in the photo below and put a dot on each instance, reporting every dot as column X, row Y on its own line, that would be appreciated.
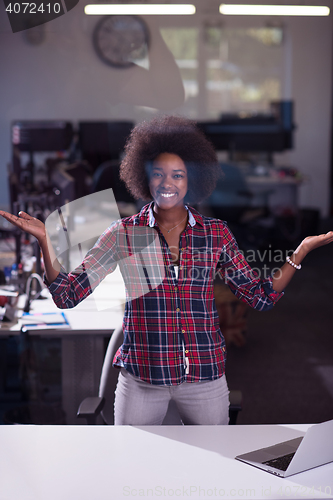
column 121, row 40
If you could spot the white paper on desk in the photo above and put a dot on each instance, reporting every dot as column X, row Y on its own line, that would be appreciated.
column 34, row 321
column 7, row 293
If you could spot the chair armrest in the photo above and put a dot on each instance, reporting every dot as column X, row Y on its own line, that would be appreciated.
column 235, row 399
column 90, row 408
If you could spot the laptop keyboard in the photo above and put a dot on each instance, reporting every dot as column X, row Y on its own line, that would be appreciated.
column 280, row 463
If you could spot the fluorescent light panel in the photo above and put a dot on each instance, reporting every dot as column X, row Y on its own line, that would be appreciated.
column 273, row 10
column 139, row 9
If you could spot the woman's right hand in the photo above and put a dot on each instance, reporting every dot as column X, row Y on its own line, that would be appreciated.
column 36, row 228
column 27, row 223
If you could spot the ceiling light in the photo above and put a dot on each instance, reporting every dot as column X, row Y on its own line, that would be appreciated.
column 273, row 10
column 139, row 9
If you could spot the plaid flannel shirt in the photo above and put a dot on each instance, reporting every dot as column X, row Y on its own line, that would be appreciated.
column 171, row 318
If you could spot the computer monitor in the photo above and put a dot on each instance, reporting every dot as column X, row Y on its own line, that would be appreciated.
column 100, row 141
column 37, row 136
column 271, row 132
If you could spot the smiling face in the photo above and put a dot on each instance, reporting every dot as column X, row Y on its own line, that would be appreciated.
column 168, row 181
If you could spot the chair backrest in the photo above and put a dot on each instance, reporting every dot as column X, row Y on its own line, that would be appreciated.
column 107, row 176
column 231, row 188
column 109, row 376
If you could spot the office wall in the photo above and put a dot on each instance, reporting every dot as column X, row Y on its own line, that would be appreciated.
column 63, row 78
column 312, row 91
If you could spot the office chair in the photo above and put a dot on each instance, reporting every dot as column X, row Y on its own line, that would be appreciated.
column 231, row 198
column 107, row 176
column 231, row 201
column 91, row 407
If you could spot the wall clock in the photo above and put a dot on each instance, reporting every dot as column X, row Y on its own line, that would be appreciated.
column 121, row 40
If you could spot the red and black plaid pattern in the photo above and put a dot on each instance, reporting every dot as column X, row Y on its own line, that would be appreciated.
column 165, row 318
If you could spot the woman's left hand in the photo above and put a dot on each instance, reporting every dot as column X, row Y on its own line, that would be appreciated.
column 312, row 242
column 282, row 278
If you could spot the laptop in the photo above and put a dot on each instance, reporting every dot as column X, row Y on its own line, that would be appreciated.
column 284, row 459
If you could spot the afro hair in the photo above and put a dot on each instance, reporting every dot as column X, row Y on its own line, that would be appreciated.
column 175, row 135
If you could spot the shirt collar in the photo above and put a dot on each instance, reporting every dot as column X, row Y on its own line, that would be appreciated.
column 151, row 218
column 146, row 216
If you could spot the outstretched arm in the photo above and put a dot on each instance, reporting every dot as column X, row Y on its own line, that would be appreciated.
column 36, row 228
column 282, row 277
column 259, row 292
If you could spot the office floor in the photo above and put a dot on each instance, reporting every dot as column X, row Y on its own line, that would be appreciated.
column 285, row 369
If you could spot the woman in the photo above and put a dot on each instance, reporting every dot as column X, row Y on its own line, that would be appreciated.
column 173, row 347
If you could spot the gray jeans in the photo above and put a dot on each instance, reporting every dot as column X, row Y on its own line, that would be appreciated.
column 200, row 403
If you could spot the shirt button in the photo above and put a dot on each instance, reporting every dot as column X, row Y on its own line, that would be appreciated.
column 180, row 267
column 186, row 351
column 176, row 288
column 183, row 331
column 178, row 310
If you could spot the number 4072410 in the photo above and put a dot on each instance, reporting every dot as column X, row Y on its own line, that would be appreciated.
column 32, row 8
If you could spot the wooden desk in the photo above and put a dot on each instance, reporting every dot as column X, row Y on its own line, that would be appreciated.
column 117, row 462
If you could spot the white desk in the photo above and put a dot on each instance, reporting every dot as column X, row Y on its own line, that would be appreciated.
column 82, row 346
column 114, row 463
column 101, row 311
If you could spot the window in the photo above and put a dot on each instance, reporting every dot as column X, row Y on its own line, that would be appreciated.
column 235, row 70
column 184, row 44
column 243, row 69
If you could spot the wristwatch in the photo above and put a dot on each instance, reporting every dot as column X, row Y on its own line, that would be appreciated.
column 120, row 40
